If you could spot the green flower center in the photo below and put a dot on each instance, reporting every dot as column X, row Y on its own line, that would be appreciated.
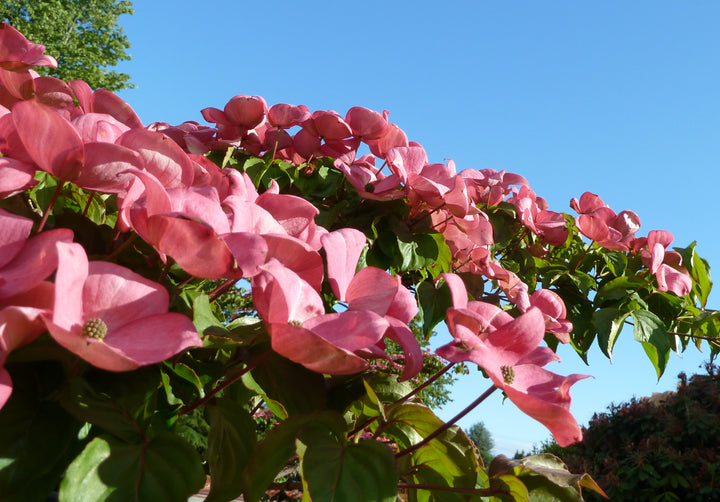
column 508, row 374
column 94, row 328
column 294, row 323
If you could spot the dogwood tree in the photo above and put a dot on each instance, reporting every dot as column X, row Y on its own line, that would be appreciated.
column 254, row 273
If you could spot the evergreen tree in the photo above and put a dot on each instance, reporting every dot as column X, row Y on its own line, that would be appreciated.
column 479, row 435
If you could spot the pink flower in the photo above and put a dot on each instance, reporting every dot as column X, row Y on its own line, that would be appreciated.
column 374, row 290
column 367, row 179
column 554, row 313
column 24, row 262
column 104, row 101
column 600, row 223
column 300, row 330
column 112, row 317
column 15, row 176
column 666, row 265
column 18, row 53
column 367, row 124
column 55, row 146
column 509, row 352
column 393, row 137
column 286, row 116
column 511, row 357
column 489, row 186
column 20, row 324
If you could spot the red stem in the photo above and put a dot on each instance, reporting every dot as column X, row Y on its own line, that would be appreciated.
column 448, row 424
column 53, row 200
column 224, row 384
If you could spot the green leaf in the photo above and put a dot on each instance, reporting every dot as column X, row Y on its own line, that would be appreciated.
column 231, row 441
column 433, row 303
column 275, row 172
column 699, row 270
column 701, row 274
column 666, row 305
column 617, row 289
column 298, row 389
column 584, row 282
column 165, row 469
column 546, row 477
column 425, row 251
column 512, row 487
column 707, row 324
column 255, row 168
column 652, row 333
column 119, row 403
column 203, row 316
column 451, row 454
column 334, row 471
column 38, row 441
column 609, row 323
column 579, row 313
column 616, row 262
column 378, row 388
column 184, row 381
column 322, row 182
column 376, row 403
column 273, row 452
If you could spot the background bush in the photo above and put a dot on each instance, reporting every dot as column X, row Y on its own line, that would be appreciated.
column 662, row 448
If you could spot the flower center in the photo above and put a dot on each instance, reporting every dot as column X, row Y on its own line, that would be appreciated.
column 94, row 328
column 294, row 323
column 508, row 374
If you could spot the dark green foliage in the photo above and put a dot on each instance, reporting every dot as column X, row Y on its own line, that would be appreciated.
column 83, row 35
column 657, row 449
column 479, row 435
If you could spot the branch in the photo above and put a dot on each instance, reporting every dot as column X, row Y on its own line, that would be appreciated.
column 447, row 424
column 224, row 384
column 485, row 492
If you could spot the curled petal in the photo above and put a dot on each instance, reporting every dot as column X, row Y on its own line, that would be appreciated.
column 343, row 248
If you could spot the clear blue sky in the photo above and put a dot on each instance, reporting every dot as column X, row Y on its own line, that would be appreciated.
column 619, row 98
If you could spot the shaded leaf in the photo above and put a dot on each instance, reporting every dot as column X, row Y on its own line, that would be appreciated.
column 335, row 471
column 117, row 403
column 37, row 442
column 298, row 389
column 274, row 451
column 165, row 469
column 231, row 441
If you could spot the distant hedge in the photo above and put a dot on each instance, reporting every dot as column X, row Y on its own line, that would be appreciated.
column 659, row 449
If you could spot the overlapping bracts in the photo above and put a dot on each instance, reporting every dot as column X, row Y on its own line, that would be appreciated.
column 213, row 223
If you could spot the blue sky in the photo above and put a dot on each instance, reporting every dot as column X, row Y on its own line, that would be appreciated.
column 619, row 98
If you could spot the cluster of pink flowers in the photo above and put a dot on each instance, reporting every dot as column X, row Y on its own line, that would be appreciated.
column 212, row 222
column 215, row 225
column 617, row 232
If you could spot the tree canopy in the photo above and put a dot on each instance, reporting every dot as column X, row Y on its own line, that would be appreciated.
column 83, row 35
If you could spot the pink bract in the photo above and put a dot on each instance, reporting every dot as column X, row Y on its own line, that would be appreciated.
column 25, row 262
column 302, row 332
column 511, row 357
column 20, row 324
column 112, row 317
column 18, row 53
